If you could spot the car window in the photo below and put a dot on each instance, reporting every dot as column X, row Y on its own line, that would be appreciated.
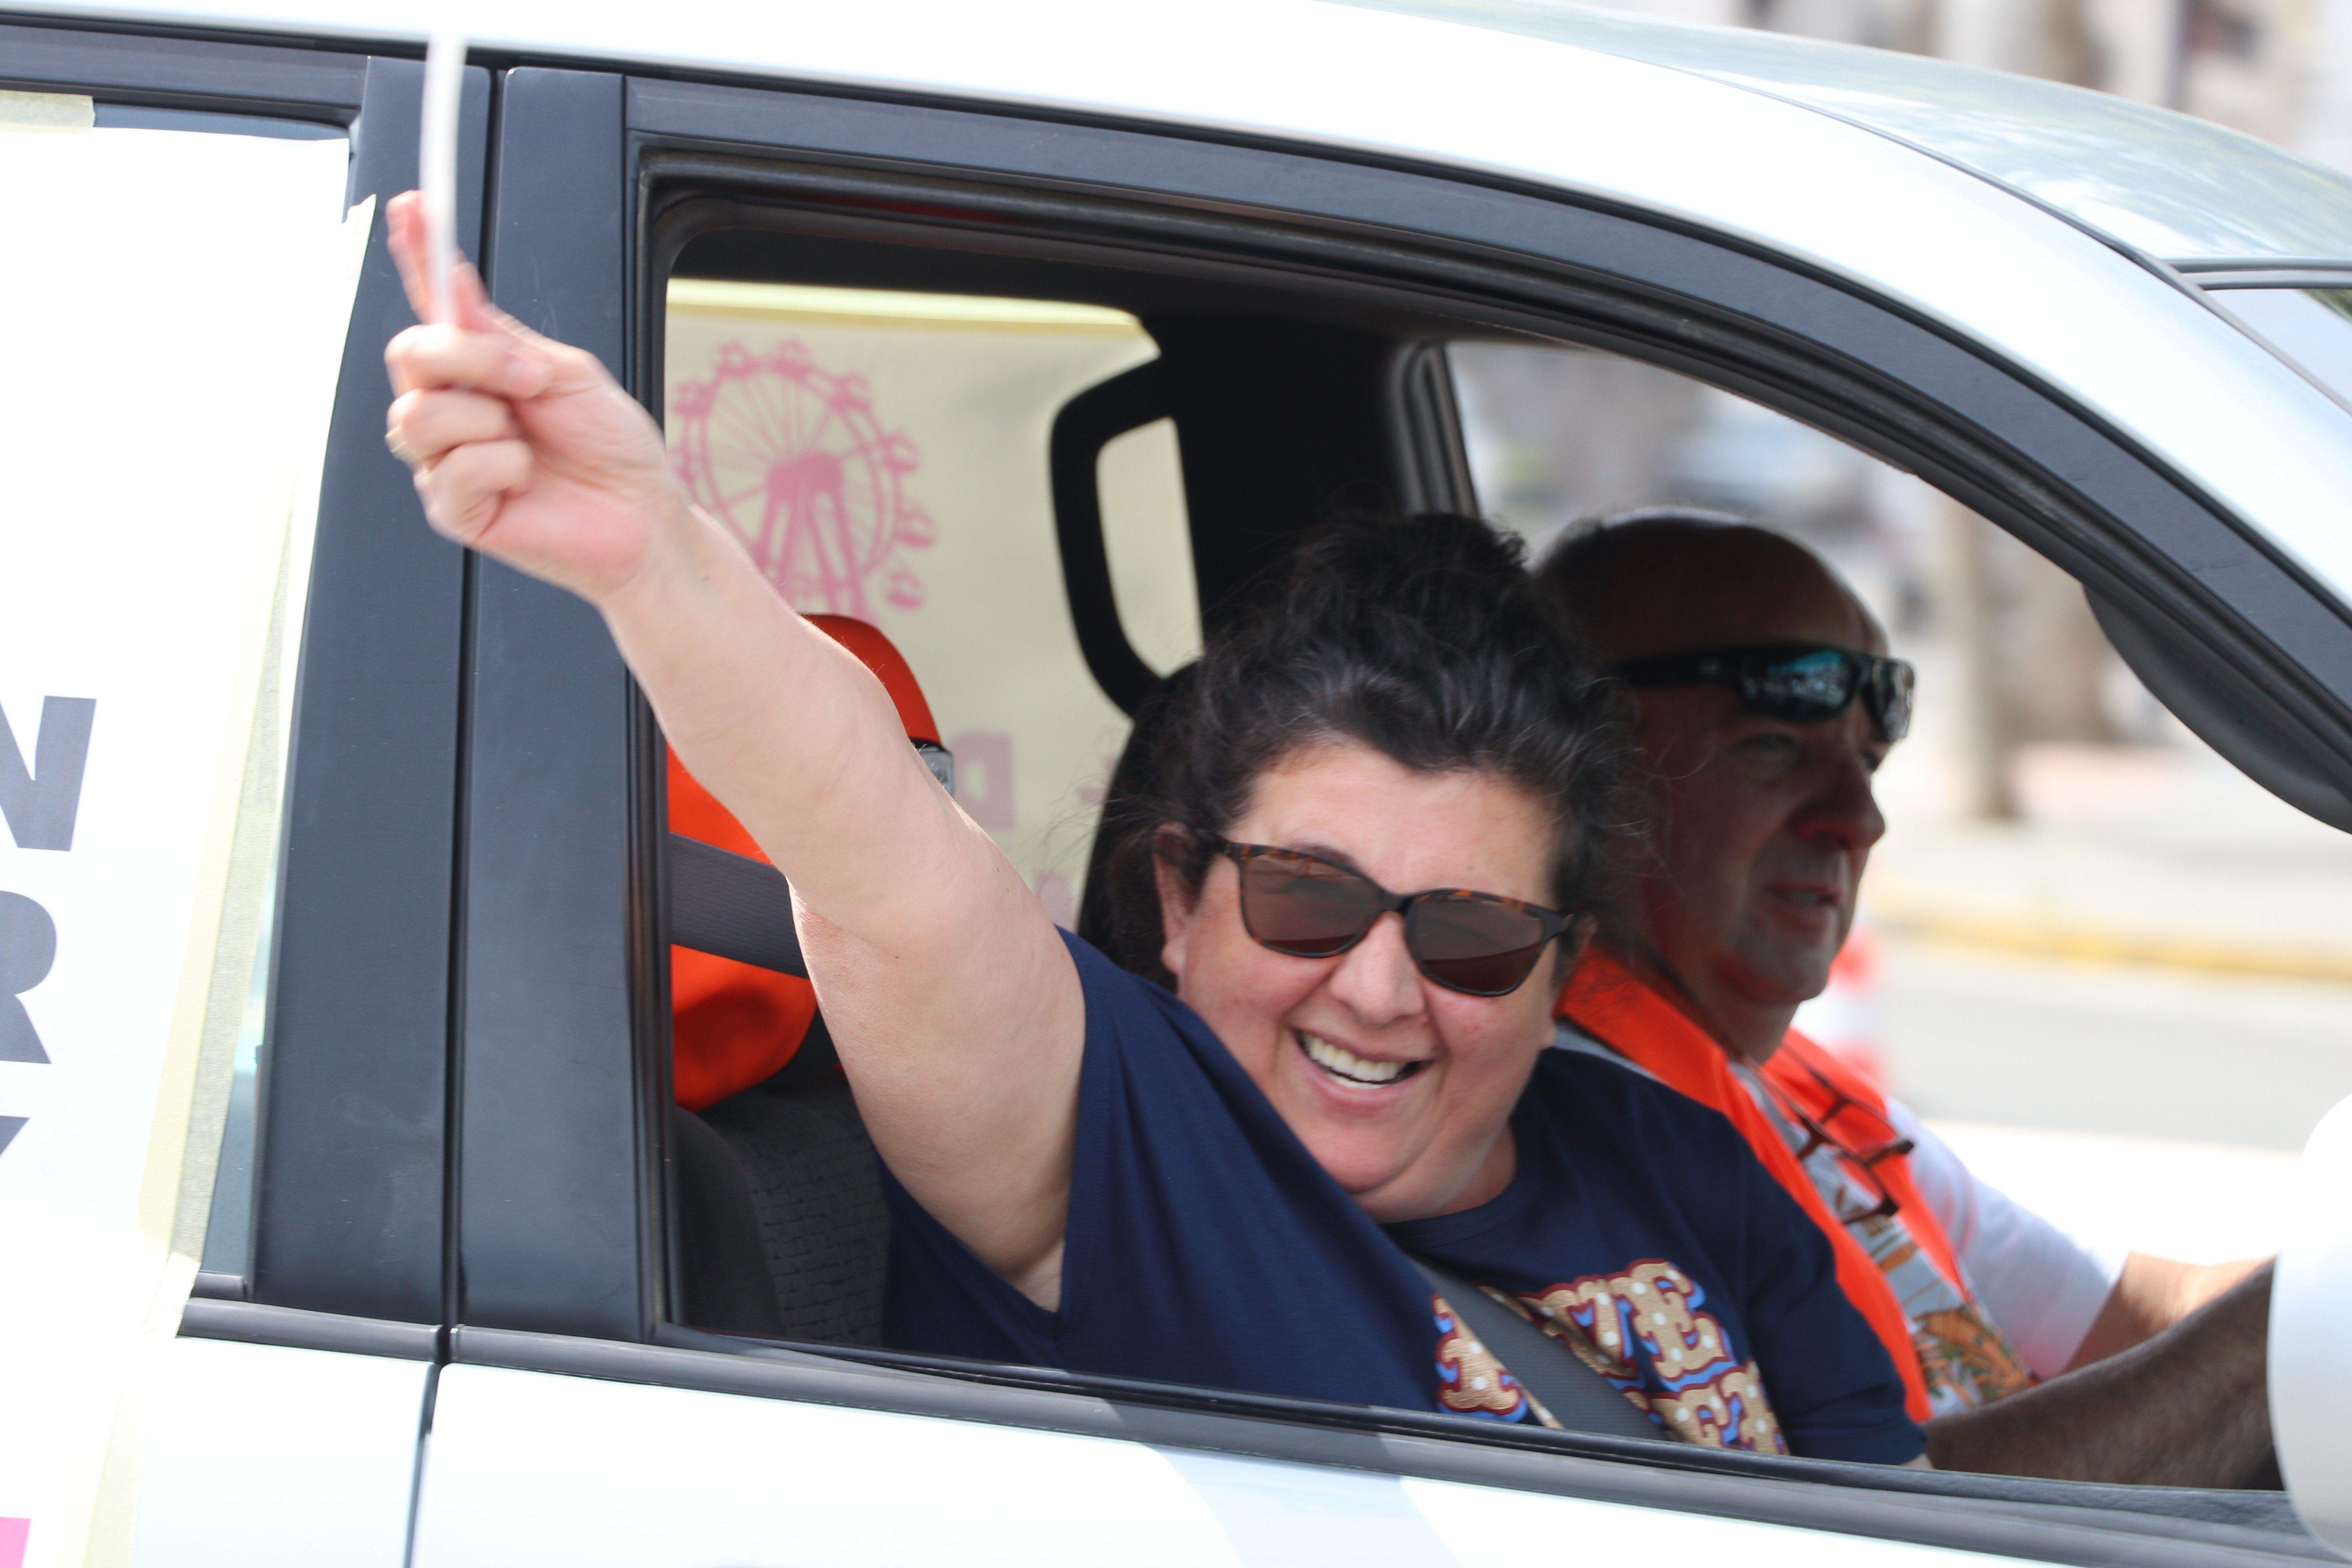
column 2095, row 958
column 2312, row 326
column 882, row 455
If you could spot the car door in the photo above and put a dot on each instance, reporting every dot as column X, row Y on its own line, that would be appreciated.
column 280, row 1423
column 572, row 1412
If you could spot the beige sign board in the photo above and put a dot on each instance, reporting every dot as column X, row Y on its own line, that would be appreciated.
column 175, row 305
column 884, row 455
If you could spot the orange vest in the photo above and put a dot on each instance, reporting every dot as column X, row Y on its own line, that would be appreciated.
column 1605, row 1001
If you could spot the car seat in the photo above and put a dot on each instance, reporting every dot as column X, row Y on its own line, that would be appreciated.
column 782, row 1230
column 1118, row 909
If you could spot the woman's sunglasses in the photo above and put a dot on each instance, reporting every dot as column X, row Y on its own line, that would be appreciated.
column 1803, row 682
column 1481, row 945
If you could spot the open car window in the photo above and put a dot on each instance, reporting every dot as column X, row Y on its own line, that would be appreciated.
column 1251, row 401
column 2094, row 956
column 2031, row 934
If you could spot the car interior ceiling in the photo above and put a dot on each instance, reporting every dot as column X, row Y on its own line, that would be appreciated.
column 1288, row 400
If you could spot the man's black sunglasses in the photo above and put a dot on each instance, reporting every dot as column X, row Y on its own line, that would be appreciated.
column 1803, row 682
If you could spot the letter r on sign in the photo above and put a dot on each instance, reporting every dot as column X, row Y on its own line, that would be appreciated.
column 40, row 802
column 28, row 947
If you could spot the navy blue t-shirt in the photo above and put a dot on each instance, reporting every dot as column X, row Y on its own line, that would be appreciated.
column 1206, row 1246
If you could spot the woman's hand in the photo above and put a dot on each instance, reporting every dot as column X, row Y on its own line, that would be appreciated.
column 524, row 448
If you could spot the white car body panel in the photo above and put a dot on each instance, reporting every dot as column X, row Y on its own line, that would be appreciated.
column 526, row 1466
column 264, row 1456
column 260, row 1455
column 2152, row 360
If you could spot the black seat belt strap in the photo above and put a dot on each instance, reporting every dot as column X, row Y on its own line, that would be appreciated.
column 1579, row 1398
column 731, row 905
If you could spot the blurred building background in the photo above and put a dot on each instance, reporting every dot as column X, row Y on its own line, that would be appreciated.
column 2113, row 969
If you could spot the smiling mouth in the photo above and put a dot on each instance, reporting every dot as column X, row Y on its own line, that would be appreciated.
column 1345, row 1065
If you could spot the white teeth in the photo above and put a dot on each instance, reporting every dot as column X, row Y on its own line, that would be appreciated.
column 1343, row 1063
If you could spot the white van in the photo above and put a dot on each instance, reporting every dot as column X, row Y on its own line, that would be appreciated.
column 350, row 1212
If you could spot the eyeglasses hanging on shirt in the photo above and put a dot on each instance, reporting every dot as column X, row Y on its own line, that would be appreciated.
column 1860, row 1156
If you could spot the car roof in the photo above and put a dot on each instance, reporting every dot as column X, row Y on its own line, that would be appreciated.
column 2161, row 183
column 1720, row 135
column 2167, row 184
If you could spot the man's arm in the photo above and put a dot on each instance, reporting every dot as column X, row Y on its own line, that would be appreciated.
column 2152, row 1294
column 2189, row 1408
column 955, row 1006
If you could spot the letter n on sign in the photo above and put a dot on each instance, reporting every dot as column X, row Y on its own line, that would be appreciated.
column 41, row 802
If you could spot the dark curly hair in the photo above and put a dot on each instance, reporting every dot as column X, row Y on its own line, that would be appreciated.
column 1421, row 638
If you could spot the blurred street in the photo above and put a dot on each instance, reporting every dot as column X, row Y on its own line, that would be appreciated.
column 2113, row 1048
column 2129, row 1006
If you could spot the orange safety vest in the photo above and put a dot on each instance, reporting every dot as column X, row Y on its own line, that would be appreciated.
column 1606, row 1001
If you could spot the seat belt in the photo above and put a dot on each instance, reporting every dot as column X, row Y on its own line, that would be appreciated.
column 1579, row 1398
column 731, row 906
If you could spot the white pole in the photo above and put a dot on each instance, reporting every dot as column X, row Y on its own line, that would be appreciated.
column 436, row 159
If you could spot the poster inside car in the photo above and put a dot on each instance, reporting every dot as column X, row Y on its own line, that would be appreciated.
column 175, row 320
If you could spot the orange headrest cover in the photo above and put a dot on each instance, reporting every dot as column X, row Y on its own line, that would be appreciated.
column 732, row 1024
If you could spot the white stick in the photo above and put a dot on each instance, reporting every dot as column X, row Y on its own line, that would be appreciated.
column 436, row 159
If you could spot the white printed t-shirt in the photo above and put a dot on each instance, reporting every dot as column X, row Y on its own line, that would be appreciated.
column 2042, row 1286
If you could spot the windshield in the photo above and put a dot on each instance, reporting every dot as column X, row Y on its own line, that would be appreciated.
column 2310, row 327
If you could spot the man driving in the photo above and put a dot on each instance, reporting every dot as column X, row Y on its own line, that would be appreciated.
column 1763, row 701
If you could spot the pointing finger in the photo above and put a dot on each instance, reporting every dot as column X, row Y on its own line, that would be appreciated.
column 410, row 244
column 404, row 237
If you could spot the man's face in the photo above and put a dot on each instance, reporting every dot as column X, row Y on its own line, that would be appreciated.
column 1762, row 827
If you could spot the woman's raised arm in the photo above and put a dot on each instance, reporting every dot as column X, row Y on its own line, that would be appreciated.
column 955, row 1004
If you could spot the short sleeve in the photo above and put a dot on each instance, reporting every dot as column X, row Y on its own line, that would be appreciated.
column 1833, row 1387
column 1205, row 1245
column 2042, row 1286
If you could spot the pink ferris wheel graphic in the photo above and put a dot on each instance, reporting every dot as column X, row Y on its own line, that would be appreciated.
column 790, row 455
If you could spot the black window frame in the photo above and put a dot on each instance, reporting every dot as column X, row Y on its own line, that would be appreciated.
column 557, row 989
